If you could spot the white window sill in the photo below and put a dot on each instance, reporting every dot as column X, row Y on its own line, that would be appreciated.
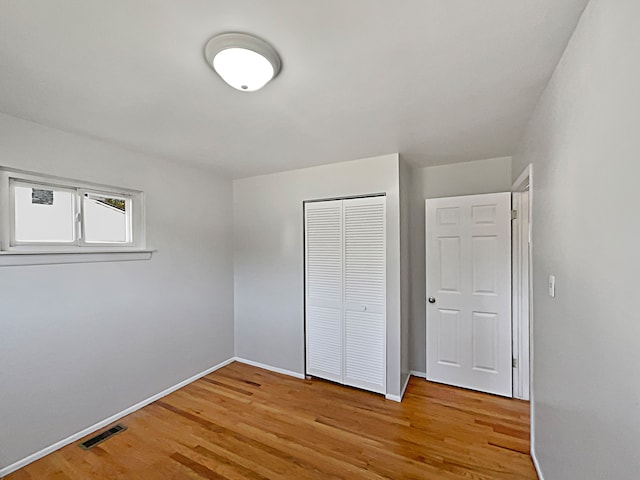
column 12, row 259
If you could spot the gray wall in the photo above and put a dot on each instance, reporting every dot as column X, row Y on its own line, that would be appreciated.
column 268, row 257
column 468, row 178
column 417, row 275
column 406, row 173
column 79, row 343
column 584, row 145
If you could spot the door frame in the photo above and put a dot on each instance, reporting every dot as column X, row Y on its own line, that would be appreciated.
column 522, row 285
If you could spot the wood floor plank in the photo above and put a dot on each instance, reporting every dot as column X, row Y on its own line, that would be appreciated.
column 242, row 422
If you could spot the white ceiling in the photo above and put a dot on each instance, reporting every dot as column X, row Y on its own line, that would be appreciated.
column 439, row 81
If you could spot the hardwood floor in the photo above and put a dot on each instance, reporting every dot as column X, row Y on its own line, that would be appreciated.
column 242, row 422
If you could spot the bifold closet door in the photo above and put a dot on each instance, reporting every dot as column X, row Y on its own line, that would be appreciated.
column 324, row 289
column 345, row 273
column 365, row 293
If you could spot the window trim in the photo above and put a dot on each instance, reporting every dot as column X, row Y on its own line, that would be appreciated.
column 9, row 176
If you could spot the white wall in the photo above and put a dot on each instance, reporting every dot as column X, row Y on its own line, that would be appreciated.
column 268, row 257
column 584, row 145
column 79, row 343
column 468, row 178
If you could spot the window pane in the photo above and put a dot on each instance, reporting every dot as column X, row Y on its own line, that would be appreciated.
column 106, row 219
column 44, row 215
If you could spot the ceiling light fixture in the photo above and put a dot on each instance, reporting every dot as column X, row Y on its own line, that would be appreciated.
column 245, row 62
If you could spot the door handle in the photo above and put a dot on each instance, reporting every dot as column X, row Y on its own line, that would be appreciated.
column 432, row 300
column 364, row 308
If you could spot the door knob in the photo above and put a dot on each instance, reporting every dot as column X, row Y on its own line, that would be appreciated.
column 364, row 308
column 432, row 300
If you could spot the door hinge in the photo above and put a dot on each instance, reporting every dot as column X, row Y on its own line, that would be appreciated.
column 514, row 214
column 514, row 362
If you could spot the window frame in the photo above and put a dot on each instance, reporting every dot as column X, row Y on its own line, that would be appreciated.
column 8, row 244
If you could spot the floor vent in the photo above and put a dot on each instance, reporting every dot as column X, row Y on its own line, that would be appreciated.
column 101, row 437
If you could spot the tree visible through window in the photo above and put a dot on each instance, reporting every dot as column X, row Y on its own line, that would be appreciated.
column 115, row 202
column 41, row 197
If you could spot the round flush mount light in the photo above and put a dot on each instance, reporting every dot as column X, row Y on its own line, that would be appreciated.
column 245, row 62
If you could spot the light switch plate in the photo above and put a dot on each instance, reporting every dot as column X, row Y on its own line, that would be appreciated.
column 552, row 286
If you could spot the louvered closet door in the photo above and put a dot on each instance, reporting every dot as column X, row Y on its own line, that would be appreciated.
column 365, row 293
column 324, row 289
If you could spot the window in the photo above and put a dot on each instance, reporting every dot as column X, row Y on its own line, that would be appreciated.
column 106, row 218
column 40, row 213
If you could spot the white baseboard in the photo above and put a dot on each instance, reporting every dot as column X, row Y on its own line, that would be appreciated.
column 103, row 423
column 395, row 398
column 536, row 464
column 270, row 368
column 406, row 383
column 398, row 398
column 415, row 373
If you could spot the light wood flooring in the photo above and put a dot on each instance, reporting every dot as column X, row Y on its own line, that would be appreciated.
column 243, row 422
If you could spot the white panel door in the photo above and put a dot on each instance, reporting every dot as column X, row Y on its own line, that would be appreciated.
column 324, row 289
column 469, row 292
column 365, row 293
